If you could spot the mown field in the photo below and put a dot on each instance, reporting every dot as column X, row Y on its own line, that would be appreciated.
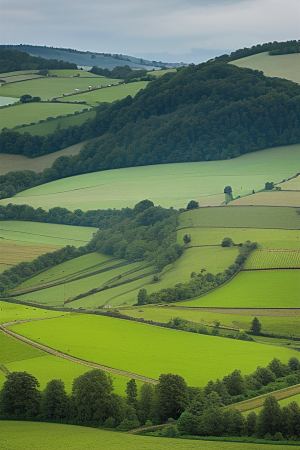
column 40, row 435
column 14, row 252
column 282, row 66
column 146, row 350
column 271, row 198
column 273, row 260
column 255, row 289
column 166, row 185
column 293, row 184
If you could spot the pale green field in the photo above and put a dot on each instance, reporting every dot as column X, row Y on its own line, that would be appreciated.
column 167, row 184
column 48, row 88
column 147, row 350
column 7, row 100
column 73, row 72
column 42, row 129
column 41, row 435
column 287, row 326
column 45, row 233
column 110, row 94
column 15, row 252
column 5, row 267
column 273, row 239
column 33, row 112
column 270, row 217
column 12, row 311
column 160, row 73
column 273, row 260
column 255, row 289
column 282, row 66
column 293, row 184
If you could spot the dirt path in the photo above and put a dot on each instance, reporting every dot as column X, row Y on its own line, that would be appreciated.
column 63, row 355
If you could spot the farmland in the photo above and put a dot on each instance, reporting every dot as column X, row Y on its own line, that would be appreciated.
column 88, row 337
column 14, row 252
column 255, row 289
column 272, row 198
column 69, row 436
column 166, row 185
column 273, row 260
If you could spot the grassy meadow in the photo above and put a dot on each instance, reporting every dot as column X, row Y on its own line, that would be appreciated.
column 281, row 66
column 273, row 260
column 124, row 344
column 270, row 198
column 166, row 185
column 40, row 435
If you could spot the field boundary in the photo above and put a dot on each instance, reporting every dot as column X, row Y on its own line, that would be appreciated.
column 64, row 356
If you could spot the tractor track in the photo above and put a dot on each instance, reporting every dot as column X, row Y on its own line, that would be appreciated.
column 53, row 352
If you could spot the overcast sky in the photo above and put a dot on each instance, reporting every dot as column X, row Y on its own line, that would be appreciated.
column 179, row 30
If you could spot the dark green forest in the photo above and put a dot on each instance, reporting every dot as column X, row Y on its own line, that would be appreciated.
column 13, row 60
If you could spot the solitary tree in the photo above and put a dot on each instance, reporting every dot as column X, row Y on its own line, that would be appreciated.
column 192, row 204
column 269, row 185
column 228, row 194
column 227, row 242
column 187, row 238
column 255, row 326
column 142, row 297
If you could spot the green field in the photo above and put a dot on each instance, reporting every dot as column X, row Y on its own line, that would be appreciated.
column 48, row 88
column 273, row 260
column 266, row 238
column 15, row 252
column 282, row 66
column 40, row 435
column 111, row 94
column 7, row 100
column 147, row 350
column 282, row 403
column 280, row 324
column 33, row 112
column 12, row 311
column 45, row 233
column 168, row 184
column 257, row 289
column 73, row 73
column 270, row 217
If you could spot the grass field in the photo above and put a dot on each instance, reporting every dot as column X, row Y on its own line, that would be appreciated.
column 282, row 403
column 271, row 198
column 42, row 129
column 48, row 88
column 166, row 185
column 40, row 435
column 281, row 324
column 20, row 162
column 243, row 217
column 12, row 311
column 273, row 260
column 111, row 94
column 266, row 238
column 293, row 184
column 45, row 233
column 150, row 351
column 7, row 100
column 73, row 73
column 14, row 252
column 257, row 289
column 282, row 66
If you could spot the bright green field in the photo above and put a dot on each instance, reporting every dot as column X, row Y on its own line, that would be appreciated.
column 282, row 403
column 46, row 233
column 41, row 435
column 12, row 311
column 33, row 112
column 47, row 87
column 282, row 66
column 270, row 217
column 278, row 325
column 273, row 260
column 147, row 350
column 111, row 94
column 257, row 289
column 72, row 73
column 167, row 184
column 273, row 239
column 41, row 129
column 160, row 73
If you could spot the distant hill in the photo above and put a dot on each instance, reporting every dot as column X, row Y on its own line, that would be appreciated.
column 90, row 59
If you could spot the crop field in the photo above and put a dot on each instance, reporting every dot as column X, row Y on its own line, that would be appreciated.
column 257, row 289
column 282, row 66
column 40, row 435
column 93, row 98
column 48, row 88
column 42, row 129
column 270, row 198
column 241, row 216
column 197, row 358
column 20, row 162
column 33, row 112
column 266, row 238
column 45, row 233
column 14, row 252
column 273, row 260
column 293, row 185
column 286, row 326
column 167, row 184
column 73, row 73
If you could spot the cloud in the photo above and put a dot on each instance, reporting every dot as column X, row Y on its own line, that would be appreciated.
column 140, row 26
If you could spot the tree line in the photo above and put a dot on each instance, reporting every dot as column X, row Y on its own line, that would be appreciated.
column 123, row 73
column 206, row 112
column 12, row 60
column 198, row 411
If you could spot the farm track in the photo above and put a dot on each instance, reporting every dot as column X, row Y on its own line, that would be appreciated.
column 64, row 356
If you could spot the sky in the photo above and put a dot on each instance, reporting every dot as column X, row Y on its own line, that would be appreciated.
column 168, row 30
